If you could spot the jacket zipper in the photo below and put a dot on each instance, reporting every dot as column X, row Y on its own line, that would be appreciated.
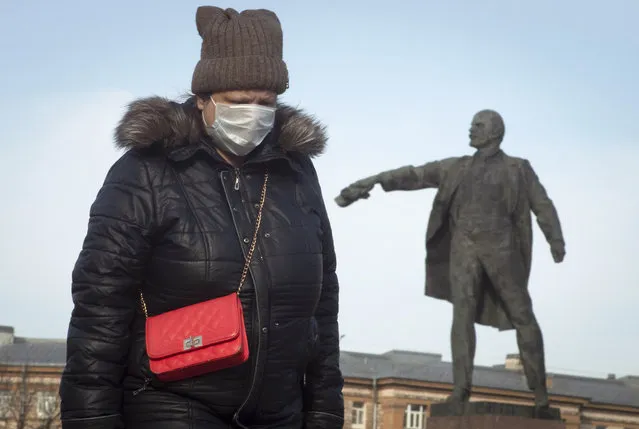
column 143, row 388
column 236, row 186
column 257, row 362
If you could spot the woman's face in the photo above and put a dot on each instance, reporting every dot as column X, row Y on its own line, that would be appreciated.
column 261, row 97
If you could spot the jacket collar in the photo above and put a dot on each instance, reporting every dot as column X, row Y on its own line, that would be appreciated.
column 177, row 129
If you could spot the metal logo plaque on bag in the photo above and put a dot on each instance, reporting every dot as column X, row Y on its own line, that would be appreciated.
column 192, row 342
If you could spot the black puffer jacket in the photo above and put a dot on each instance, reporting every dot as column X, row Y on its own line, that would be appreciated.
column 173, row 219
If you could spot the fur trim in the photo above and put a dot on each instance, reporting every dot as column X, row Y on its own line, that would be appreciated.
column 159, row 121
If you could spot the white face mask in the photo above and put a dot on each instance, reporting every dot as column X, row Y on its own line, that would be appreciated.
column 240, row 128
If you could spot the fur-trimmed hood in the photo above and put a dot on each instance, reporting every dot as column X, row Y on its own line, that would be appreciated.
column 158, row 121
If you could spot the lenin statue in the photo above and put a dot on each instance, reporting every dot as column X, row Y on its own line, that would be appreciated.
column 479, row 245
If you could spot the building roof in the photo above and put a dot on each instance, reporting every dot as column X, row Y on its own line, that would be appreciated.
column 33, row 351
column 429, row 367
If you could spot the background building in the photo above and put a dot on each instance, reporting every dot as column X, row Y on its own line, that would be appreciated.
column 393, row 390
column 29, row 379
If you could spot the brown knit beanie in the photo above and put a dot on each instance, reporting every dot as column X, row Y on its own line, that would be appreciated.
column 239, row 51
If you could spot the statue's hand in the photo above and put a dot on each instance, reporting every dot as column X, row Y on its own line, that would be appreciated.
column 558, row 251
column 356, row 191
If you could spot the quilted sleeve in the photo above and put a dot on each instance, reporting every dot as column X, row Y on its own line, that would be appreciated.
column 323, row 400
column 105, row 280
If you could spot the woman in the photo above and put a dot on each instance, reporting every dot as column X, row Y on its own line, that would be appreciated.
column 213, row 196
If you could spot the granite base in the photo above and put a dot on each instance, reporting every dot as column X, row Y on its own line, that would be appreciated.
column 492, row 415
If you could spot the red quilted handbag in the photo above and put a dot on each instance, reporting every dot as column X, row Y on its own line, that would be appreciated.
column 204, row 337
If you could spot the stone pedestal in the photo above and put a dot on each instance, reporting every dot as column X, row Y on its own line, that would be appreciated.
column 491, row 415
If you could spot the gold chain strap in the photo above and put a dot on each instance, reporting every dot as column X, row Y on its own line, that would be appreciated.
column 249, row 256
column 258, row 223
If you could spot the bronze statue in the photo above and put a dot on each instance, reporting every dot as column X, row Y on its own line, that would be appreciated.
column 479, row 245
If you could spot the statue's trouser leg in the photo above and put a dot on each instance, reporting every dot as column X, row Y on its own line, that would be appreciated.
column 506, row 271
column 465, row 276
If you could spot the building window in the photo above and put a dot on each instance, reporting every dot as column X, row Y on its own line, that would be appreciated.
column 414, row 417
column 358, row 415
column 5, row 404
column 47, row 405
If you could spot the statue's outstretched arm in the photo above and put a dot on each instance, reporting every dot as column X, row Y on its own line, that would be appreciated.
column 406, row 178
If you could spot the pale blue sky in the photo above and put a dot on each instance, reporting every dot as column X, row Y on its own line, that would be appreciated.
column 397, row 83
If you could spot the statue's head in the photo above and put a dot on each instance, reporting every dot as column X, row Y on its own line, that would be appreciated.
column 487, row 129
